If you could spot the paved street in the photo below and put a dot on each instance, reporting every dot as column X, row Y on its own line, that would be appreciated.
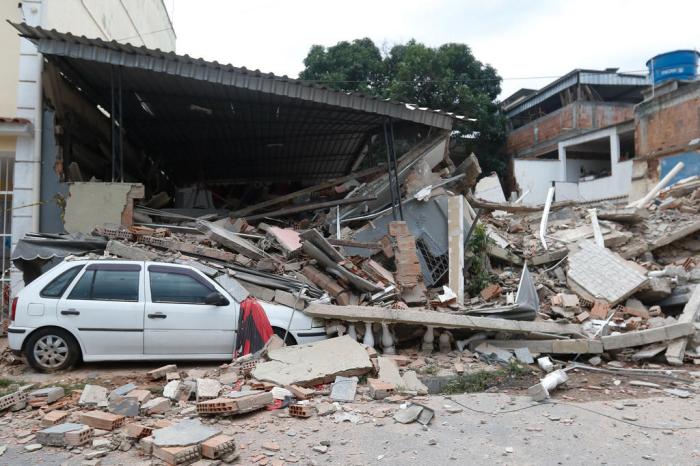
column 543, row 435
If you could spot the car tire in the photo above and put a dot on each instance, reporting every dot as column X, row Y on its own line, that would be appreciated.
column 280, row 333
column 51, row 350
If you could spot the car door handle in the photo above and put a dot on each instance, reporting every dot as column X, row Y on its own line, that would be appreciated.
column 157, row 315
column 70, row 312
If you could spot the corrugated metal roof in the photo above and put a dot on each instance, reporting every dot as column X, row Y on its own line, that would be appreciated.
column 52, row 42
column 591, row 77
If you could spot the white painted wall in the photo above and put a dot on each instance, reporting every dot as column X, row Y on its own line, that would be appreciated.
column 536, row 176
column 138, row 22
column 618, row 184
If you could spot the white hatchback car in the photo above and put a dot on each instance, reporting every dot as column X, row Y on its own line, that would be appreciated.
column 131, row 310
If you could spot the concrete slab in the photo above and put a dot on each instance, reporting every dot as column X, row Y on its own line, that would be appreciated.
column 489, row 188
column 600, row 274
column 234, row 288
column 184, row 433
column 309, row 365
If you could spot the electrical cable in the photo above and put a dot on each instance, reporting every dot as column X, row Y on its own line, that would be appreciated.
column 583, row 408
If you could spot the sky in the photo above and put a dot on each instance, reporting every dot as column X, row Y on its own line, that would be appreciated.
column 530, row 43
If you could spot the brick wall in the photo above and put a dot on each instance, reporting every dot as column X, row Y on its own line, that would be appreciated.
column 667, row 126
column 565, row 122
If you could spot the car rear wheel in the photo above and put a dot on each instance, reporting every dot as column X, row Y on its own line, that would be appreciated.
column 280, row 333
column 51, row 350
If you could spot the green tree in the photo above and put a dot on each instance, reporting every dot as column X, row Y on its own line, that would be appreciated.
column 448, row 78
column 350, row 66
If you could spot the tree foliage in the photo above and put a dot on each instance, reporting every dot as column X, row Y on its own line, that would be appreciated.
column 448, row 78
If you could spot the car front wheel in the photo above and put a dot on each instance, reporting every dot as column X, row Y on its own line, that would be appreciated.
column 51, row 350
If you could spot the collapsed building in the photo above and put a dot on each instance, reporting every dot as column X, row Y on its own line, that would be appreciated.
column 350, row 209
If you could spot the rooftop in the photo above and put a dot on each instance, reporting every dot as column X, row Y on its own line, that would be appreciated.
column 609, row 85
column 211, row 121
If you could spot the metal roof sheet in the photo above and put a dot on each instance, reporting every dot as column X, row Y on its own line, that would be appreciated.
column 592, row 77
column 52, row 42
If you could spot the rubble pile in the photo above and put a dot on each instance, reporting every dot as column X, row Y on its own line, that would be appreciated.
column 616, row 283
column 610, row 271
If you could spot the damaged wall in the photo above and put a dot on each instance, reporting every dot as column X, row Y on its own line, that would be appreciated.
column 93, row 204
column 54, row 191
column 540, row 136
column 668, row 121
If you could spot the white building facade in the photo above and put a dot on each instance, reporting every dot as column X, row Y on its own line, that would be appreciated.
column 139, row 22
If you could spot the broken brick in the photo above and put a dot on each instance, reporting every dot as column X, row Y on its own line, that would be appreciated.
column 102, row 420
column 218, row 446
column 492, row 291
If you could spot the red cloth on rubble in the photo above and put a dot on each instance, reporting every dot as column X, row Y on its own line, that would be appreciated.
column 254, row 328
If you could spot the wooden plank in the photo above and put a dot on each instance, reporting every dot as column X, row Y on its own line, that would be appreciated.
column 455, row 245
column 311, row 189
column 488, row 205
column 576, row 346
column 644, row 337
column 676, row 349
column 308, row 207
column 436, row 319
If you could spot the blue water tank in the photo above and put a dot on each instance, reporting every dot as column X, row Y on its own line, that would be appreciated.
column 680, row 64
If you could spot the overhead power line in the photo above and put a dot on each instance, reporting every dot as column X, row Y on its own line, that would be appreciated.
column 437, row 81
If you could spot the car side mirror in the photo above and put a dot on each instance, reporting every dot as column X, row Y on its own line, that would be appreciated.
column 216, row 299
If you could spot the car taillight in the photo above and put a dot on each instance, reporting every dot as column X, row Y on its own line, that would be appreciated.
column 14, row 309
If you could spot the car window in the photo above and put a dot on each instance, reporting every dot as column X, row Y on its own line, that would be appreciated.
column 58, row 285
column 107, row 285
column 178, row 287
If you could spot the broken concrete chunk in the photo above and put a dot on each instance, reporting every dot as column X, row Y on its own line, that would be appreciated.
column 389, row 372
column 93, row 395
column 234, row 288
column 523, row 355
column 55, row 435
column 344, row 388
column 125, row 406
column 308, row 365
column 45, row 395
column 156, row 406
column 141, row 395
column 411, row 383
column 495, row 352
column 159, row 373
column 408, row 414
column 170, row 389
column 126, row 251
column 123, row 390
column 207, row 389
column 184, row 433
